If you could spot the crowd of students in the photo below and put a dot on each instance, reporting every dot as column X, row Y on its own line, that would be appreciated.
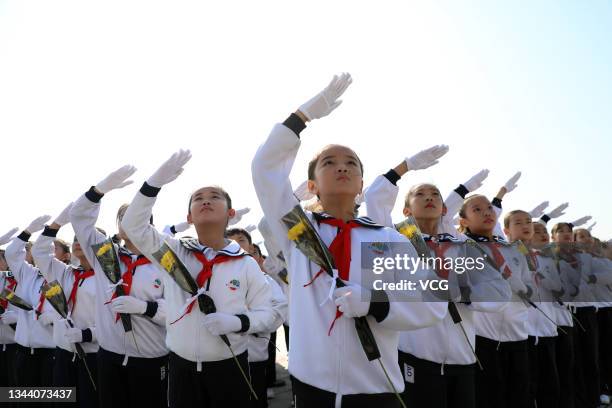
column 191, row 321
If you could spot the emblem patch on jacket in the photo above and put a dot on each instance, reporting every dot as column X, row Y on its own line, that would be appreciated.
column 234, row 284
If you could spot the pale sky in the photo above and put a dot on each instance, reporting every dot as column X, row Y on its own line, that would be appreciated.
column 86, row 87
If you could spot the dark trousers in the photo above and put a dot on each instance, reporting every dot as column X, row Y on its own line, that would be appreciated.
column 69, row 371
column 564, row 351
column 33, row 368
column 307, row 396
column 604, row 320
column 143, row 382
column 586, row 347
column 220, row 383
column 427, row 387
column 271, row 363
column 504, row 382
column 258, row 379
column 543, row 376
column 286, row 329
column 8, row 372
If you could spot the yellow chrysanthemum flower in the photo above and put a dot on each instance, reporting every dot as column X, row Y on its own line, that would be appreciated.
column 408, row 231
column 297, row 230
column 104, row 249
column 10, row 296
column 167, row 261
column 53, row 290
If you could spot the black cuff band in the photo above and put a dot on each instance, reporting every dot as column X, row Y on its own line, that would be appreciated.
column 379, row 305
column 392, row 176
column 245, row 323
column 294, row 123
column 87, row 335
column 545, row 218
column 497, row 202
column 173, row 230
column 462, row 190
column 148, row 190
column 24, row 236
column 93, row 196
column 151, row 309
column 49, row 232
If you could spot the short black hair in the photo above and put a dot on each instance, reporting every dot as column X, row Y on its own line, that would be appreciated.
column 239, row 231
column 257, row 249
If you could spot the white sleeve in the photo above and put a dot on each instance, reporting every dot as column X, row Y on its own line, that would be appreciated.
column 270, row 169
column 602, row 268
column 380, row 199
column 258, row 300
column 279, row 305
column 83, row 217
column 15, row 255
column 498, row 230
column 44, row 257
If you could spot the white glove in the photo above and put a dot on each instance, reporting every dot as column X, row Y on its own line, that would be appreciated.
column 250, row 228
column 511, row 184
column 539, row 210
column 557, row 212
column 426, row 158
column 221, row 323
column 581, row 221
column 238, row 216
column 590, row 227
column 64, row 217
column 116, row 179
column 46, row 318
column 73, row 335
column 170, row 170
column 9, row 317
column 128, row 304
column 302, row 193
column 326, row 101
column 349, row 300
column 475, row 182
column 38, row 224
column 181, row 227
column 8, row 236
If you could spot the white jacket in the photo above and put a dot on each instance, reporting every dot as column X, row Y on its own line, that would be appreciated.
column 334, row 362
column 7, row 334
column 29, row 333
column 547, row 280
column 84, row 311
column 236, row 287
column 147, row 285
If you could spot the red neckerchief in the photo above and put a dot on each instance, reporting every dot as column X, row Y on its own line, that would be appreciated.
column 12, row 284
column 499, row 260
column 340, row 249
column 440, row 249
column 128, row 274
column 206, row 273
column 79, row 276
column 41, row 300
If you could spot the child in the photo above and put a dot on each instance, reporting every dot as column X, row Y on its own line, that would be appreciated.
column 501, row 338
column 203, row 370
column 440, row 358
column 326, row 360
column 132, row 366
column 260, row 343
column 80, row 292
column 8, row 320
column 34, row 333
column 542, row 328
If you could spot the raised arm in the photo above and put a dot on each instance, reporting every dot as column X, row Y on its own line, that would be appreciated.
column 43, row 248
column 15, row 254
column 274, row 159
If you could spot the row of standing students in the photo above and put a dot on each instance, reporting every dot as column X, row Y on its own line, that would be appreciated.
column 180, row 353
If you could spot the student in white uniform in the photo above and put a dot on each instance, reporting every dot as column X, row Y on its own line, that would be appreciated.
column 438, row 362
column 8, row 320
column 202, row 369
column 541, row 322
column 564, row 341
column 259, row 343
column 501, row 337
column 326, row 360
column 132, row 366
column 80, row 293
column 34, row 333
